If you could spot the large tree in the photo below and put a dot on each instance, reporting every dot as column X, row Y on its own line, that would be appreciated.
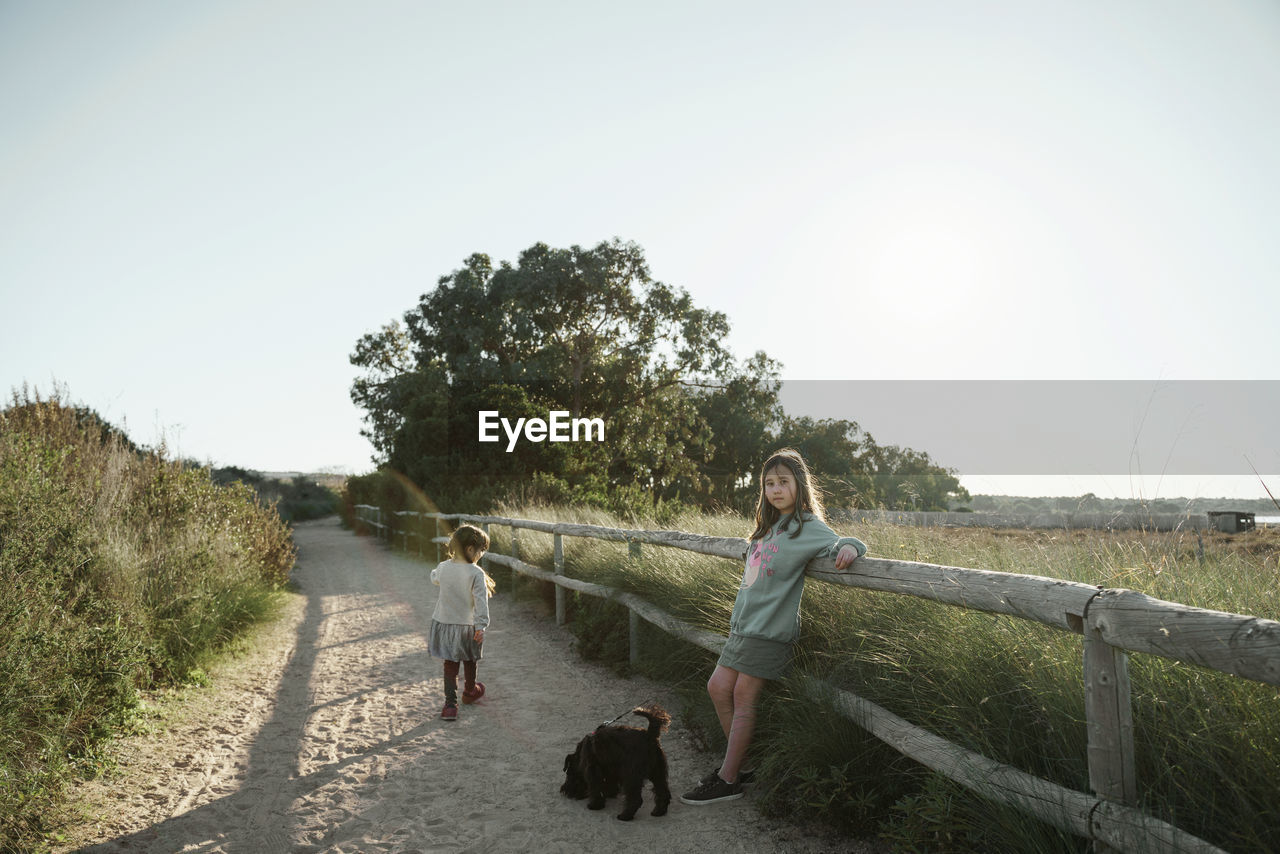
column 588, row 331
column 591, row 333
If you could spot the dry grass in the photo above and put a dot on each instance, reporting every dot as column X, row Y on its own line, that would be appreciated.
column 1207, row 743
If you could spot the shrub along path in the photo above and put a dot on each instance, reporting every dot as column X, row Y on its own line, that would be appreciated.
column 327, row 737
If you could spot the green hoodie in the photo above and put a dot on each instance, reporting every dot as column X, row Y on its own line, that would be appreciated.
column 768, row 603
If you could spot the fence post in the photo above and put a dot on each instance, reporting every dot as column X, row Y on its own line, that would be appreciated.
column 1109, row 718
column 558, row 563
column 633, row 625
column 633, row 619
column 438, row 534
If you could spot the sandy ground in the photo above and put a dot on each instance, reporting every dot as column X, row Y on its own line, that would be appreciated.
column 327, row 737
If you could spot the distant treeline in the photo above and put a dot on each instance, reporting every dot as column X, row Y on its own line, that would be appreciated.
column 589, row 334
column 296, row 499
column 1090, row 503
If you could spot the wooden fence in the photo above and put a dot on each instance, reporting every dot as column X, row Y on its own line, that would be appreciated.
column 1111, row 621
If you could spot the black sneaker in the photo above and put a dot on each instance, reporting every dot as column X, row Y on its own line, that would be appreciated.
column 745, row 778
column 712, row 792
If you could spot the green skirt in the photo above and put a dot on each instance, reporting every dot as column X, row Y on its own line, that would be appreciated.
column 765, row 659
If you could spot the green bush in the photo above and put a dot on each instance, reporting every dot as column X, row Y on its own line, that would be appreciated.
column 122, row 570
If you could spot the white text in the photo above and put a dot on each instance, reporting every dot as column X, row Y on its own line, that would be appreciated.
column 557, row 427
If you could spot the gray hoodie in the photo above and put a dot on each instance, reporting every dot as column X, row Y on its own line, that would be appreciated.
column 768, row 603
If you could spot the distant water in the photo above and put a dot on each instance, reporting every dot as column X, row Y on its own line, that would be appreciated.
column 1267, row 520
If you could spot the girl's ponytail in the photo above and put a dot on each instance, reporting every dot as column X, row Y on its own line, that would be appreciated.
column 466, row 541
column 469, row 540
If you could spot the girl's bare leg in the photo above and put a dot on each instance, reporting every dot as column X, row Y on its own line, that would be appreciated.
column 746, row 692
column 720, row 689
column 734, row 696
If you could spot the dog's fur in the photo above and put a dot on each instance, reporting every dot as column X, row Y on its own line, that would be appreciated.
column 620, row 756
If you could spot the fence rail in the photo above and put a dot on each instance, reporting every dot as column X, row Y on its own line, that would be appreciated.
column 1112, row 622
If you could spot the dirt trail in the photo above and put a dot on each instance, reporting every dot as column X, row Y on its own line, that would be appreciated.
column 328, row 738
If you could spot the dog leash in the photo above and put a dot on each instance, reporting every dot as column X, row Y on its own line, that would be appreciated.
column 627, row 712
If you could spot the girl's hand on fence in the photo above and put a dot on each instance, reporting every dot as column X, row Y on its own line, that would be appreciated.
column 846, row 556
column 479, row 636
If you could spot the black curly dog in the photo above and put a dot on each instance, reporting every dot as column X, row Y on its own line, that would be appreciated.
column 614, row 756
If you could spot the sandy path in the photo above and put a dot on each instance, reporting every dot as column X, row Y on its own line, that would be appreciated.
column 327, row 738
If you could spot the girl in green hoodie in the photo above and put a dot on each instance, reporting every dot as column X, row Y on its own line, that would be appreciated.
column 790, row 531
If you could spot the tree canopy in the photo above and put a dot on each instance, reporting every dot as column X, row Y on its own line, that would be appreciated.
column 591, row 334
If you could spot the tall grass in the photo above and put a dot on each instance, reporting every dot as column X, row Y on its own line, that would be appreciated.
column 1207, row 744
column 120, row 570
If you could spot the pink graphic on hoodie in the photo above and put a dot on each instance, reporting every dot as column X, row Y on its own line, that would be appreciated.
column 758, row 561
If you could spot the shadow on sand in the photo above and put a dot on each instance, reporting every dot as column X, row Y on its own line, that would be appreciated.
column 257, row 817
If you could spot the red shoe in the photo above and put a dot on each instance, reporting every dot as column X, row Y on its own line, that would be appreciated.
column 470, row 695
column 450, row 712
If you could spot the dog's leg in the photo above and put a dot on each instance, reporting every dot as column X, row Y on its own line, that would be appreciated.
column 595, row 787
column 658, row 774
column 610, row 787
column 632, row 787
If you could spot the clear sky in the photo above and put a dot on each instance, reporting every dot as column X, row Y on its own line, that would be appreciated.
column 203, row 206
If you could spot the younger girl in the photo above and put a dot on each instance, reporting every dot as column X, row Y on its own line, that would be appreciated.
column 790, row 531
column 461, row 615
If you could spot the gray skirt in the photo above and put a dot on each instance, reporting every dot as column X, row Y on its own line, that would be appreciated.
column 453, row 643
column 766, row 659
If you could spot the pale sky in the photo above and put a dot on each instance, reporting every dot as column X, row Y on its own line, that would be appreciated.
column 204, row 206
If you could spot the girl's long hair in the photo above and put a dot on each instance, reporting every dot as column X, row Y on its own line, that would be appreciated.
column 470, row 540
column 808, row 494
